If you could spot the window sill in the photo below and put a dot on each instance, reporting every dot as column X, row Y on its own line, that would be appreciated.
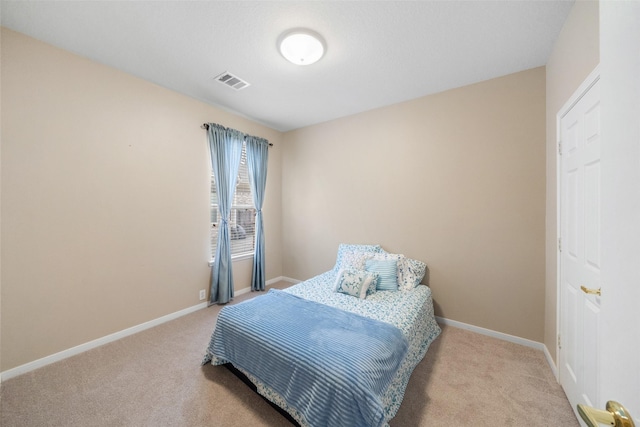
column 236, row 258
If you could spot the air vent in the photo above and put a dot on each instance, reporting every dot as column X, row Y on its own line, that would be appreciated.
column 232, row 81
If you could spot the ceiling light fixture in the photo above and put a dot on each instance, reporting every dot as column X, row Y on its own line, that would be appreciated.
column 301, row 46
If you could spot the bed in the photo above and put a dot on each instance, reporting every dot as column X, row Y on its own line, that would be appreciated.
column 329, row 354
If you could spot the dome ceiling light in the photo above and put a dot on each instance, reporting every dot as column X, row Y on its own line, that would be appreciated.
column 301, row 46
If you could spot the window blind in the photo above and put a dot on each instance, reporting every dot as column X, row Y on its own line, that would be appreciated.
column 242, row 219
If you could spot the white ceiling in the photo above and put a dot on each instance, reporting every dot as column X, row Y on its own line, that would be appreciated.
column 378, row 53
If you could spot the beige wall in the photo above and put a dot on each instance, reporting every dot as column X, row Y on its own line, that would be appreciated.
column 575, row 54
column 455, row 179
column 105, row 200
column 104, row 195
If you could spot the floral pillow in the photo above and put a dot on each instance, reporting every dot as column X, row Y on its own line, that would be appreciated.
column 355, row 282
column 353, row 256
column 415, row 273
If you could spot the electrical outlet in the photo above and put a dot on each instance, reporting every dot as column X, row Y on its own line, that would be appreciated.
column 203, row 294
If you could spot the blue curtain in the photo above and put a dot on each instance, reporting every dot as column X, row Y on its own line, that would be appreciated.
column 257, row 159
column 226, row 150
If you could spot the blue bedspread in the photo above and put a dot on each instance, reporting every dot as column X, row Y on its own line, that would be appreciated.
column 332, row 366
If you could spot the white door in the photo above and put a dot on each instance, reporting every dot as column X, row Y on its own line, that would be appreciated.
column 620, row 95
column 599, row 358
column 580, row 254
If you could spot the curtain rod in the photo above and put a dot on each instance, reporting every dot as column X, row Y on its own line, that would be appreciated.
column 206, row 126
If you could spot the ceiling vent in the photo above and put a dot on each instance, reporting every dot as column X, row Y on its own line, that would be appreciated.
column 232, row 81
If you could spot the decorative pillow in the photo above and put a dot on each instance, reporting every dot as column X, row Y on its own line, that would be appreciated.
column 353, row 256
column 415, row 273
column 410, row 271
column 400, row 267
column 374, row 283
column 355, row 282
column 387, row 269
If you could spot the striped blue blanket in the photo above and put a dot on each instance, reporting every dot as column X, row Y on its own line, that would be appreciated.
column 332, row 366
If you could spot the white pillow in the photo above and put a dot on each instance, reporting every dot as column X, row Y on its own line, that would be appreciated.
column 415, row 272
column 355, row 282
column 353, row 256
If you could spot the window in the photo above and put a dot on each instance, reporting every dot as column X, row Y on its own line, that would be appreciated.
column 242, row 219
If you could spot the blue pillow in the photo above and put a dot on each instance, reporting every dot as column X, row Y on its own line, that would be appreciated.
column 355, row 282
column 387, row 269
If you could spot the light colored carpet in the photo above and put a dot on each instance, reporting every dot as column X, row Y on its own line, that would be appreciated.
column 154, row 378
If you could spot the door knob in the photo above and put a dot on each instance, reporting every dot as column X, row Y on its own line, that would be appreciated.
column 591, row 291
column 616, row 415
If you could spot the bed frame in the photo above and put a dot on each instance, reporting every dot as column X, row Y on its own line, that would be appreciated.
column 253, row 387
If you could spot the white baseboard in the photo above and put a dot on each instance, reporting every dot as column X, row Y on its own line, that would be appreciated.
column 10, row 373
column 505, row 337
column 491, row 333
column 288, row 279
column 267, row 283
column 552, row 363
column 241, row 291
column 27, row 367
